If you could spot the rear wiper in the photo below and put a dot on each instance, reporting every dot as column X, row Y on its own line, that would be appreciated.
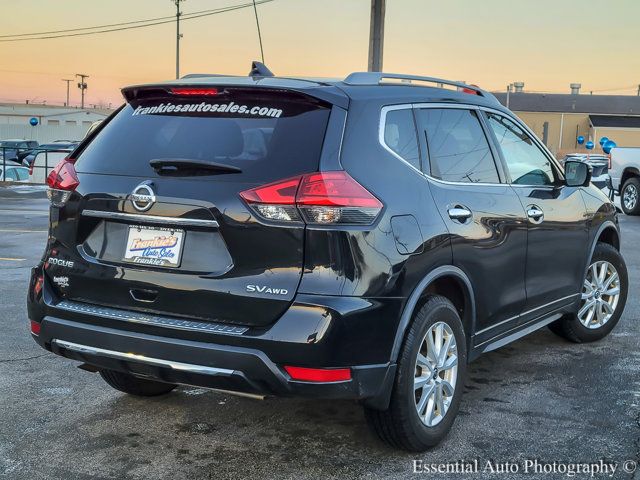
column 194, row 166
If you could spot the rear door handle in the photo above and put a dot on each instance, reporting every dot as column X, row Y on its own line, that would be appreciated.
column 459, row 213
column 535, row 214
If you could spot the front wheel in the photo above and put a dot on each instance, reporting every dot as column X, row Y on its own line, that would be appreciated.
column 604, row 295
column 429, row 381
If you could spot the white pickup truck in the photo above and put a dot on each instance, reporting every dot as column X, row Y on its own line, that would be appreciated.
column 625, row 177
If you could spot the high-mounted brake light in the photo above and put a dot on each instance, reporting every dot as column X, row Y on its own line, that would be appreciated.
column 471, row 91
column 62, row 180
column 194, row 91
column 304, row 374
column 318, row 198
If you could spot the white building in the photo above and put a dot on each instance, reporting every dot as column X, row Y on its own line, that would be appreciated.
column 54, row 123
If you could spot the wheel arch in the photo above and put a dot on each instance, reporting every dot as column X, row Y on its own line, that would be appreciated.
column 608, row 233
column 448, row 281
column 627, row 173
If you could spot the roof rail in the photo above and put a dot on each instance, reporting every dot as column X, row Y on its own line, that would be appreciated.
column 376, row 78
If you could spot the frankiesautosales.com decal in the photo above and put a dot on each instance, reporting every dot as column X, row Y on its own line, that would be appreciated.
column 230, row 107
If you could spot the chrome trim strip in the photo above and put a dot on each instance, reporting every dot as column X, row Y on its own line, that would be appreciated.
column 155, row 320
column 526, row 313
column 465, row 106
column 132, row 357
column 134, row 217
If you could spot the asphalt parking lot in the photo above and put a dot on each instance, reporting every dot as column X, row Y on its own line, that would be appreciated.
column 539, row 398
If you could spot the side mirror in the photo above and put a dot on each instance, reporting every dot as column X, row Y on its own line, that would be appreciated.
column 577, row 174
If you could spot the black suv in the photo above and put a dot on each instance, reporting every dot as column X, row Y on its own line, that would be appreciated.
column 361, row 239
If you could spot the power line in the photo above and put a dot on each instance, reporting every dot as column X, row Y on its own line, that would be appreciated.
column 189, row 16
column 89, row 28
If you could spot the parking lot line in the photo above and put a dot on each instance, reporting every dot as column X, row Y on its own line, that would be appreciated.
column 8, row 259
column 9, row 230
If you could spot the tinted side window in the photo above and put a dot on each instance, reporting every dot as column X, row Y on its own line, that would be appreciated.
column 457, row 146
column 525, row 161
column 400, row 135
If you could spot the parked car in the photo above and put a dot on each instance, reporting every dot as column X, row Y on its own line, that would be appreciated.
column 44, row 161
column 13, row 149
column 599, row 167
column 13, row 173
column 362, row 238
column 625, row 178
column 65, row 145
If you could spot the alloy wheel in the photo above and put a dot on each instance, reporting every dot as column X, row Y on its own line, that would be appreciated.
column 436, row 371
column 630, row 197
column 600, row 295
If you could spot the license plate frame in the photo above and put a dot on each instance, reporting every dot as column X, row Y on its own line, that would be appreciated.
column 149, row 246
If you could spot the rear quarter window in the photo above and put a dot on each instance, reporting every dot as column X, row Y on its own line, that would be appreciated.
column 269, row 135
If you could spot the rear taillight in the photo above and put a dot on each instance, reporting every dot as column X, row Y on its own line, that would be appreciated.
column 62, row 181
column 275, row 201
column 317, row 198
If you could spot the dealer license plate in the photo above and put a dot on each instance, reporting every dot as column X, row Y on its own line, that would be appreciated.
column 158, row 247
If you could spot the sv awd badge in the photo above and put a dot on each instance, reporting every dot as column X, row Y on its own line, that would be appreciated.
column 265, row 289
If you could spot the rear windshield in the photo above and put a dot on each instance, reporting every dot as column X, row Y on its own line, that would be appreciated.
column 268, row 135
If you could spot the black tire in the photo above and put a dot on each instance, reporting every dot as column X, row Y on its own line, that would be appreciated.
column 133, row 385
column 400, row 426
column 570, row 326
column 632, row 183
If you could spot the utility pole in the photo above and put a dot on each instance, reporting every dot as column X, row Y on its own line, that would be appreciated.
column 178, row 36
column 82, row 85
column 639, row 90
column 68, row 82
column 376, row 35
column 508, row 94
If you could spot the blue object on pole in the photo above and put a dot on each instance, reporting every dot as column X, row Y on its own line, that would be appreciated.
column 603, row 140
column 608, row 146
column 589, row 145
column 33, row 121
column 580, row 140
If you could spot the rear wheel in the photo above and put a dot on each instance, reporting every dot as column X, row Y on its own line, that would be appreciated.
column 630, row 196
column 133, row 385
column 604, row 295
column 429, row 381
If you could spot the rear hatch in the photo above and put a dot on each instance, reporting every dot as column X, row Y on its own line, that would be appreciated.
column 159, row 225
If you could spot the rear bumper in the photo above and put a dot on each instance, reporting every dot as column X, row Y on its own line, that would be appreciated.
column 316, row 332
column 197, row 363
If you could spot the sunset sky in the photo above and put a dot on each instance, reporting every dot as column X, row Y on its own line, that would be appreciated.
column 545, row 43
